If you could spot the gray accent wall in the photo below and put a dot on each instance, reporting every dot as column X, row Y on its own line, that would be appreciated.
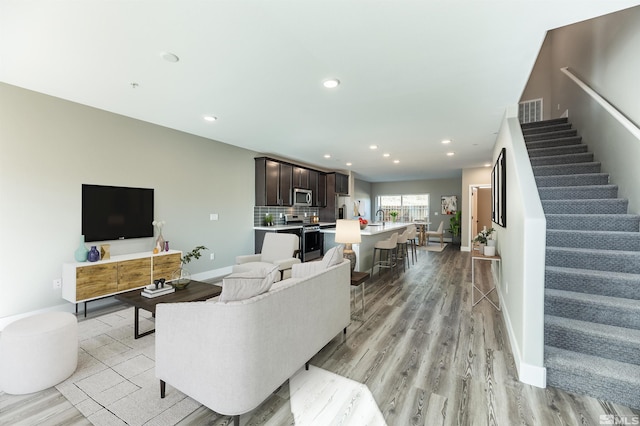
column 603, row 52
column 49, row 147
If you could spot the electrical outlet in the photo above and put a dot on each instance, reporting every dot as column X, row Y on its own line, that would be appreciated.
column 212, row 256
column 213, row 216
column 57, row 283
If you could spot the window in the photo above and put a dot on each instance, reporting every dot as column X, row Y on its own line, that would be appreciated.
column 409, row 207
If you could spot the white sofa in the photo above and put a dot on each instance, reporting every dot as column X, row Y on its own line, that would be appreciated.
column 230, row 356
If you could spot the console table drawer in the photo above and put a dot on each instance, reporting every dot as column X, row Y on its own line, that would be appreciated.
column 164, row 266
column 96, row 280
column 134, row 273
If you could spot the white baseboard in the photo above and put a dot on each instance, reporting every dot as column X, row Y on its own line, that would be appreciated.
column 465, row 248
column 527, row 373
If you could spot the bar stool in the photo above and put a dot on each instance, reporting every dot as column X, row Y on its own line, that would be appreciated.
column 402, row 253
column 413, row 234
column 388, row 247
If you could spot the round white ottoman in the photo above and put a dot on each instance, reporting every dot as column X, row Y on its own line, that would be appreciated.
column 38, row 352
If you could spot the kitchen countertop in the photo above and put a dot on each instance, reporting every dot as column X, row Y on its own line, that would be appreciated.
column 373, row 229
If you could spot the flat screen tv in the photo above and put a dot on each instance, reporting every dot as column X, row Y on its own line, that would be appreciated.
column 116, row 213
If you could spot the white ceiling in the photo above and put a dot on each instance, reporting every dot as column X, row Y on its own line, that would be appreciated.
column 412, row 72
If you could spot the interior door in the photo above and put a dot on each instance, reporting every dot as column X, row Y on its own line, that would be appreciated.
column 484, row 208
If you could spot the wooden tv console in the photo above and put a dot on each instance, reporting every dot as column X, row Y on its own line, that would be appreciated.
column 86, row 281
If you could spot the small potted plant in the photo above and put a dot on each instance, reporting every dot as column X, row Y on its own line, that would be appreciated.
column 268, row 219
column 394, row 215
column 482, row 239
column 181, row 277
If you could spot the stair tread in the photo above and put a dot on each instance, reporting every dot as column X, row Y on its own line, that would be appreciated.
column 604, row 331
column 589, row 200
column 595, row 215
column 567, row 140
column 617, row 234
column 593, row 272
column 542, row 123
column 595, row 365
column 596, row 251
column 604, row 301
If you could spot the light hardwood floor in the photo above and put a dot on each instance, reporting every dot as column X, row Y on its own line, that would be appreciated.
column 426, row 355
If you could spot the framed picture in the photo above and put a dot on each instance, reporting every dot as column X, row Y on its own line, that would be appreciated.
column 449, row 204
column 499, row 190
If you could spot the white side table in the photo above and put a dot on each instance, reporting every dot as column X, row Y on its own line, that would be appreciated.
column 476, row 256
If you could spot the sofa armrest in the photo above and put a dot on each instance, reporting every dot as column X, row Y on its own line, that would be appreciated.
column 303, row 270
column 248, row 258
column 286, row 263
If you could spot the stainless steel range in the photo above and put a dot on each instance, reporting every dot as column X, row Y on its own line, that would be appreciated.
column 311, row 239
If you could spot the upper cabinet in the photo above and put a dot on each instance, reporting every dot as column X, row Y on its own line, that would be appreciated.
column 301, row 177
column 318, row 184
column 338, row 183
column 276, row 179
column 274, row 183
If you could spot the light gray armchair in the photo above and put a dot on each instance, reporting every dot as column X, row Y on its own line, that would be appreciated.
column 277, row 249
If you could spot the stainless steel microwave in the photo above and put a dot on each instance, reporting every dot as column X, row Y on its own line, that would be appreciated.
column 302, row 197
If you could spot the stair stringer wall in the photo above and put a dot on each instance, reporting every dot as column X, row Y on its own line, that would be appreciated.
column 522, row 248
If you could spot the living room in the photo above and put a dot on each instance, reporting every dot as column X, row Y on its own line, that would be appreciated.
column 44, row 164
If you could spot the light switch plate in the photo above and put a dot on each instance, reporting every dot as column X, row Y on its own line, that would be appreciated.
column 213, row 216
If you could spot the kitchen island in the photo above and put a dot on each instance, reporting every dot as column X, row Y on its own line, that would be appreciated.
column 373, row 233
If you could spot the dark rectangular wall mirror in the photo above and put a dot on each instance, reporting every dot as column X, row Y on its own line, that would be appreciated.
column 499, row 190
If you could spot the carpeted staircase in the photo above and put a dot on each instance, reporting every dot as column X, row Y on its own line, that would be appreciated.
column 592, row 277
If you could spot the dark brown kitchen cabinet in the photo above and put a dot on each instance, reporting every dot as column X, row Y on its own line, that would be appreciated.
column 318, row 184
column 273, row 183
column 338, row 183
column 301, row 178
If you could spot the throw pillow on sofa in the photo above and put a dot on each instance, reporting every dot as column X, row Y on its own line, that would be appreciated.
column 245, row 285
column 333, row 256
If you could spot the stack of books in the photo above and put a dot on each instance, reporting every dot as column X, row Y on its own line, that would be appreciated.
column 151, row 290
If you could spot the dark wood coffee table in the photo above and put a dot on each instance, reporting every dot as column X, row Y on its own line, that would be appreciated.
column 195, row 291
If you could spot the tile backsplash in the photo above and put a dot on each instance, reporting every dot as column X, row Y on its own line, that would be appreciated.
column 259, row 213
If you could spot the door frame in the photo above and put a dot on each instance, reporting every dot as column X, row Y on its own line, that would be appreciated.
column 472, row 201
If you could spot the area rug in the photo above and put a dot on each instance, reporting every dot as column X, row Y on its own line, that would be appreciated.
column 115, row 381
column 434, row 247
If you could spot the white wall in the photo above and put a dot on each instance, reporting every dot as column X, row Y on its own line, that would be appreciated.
column 49, row 147
column 521, row 244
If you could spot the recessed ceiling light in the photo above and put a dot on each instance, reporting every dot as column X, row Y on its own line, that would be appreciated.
column 446, row 141
column 373, row 146
column 396, row 161
column 451, row 154
column 487, row 164
column 210, row 118
column 386, row 154
column 349, row 164
column 169, row 57
column 331, row 83
column 327, row 156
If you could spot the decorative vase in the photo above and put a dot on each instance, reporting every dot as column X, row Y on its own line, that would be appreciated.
column 490, row 250
column 166, row 246
column 160, row 242
column 81, row 252
column 180, row 278
column 93, row 255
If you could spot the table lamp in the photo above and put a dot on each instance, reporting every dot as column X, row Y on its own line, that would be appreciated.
column 347, row 233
